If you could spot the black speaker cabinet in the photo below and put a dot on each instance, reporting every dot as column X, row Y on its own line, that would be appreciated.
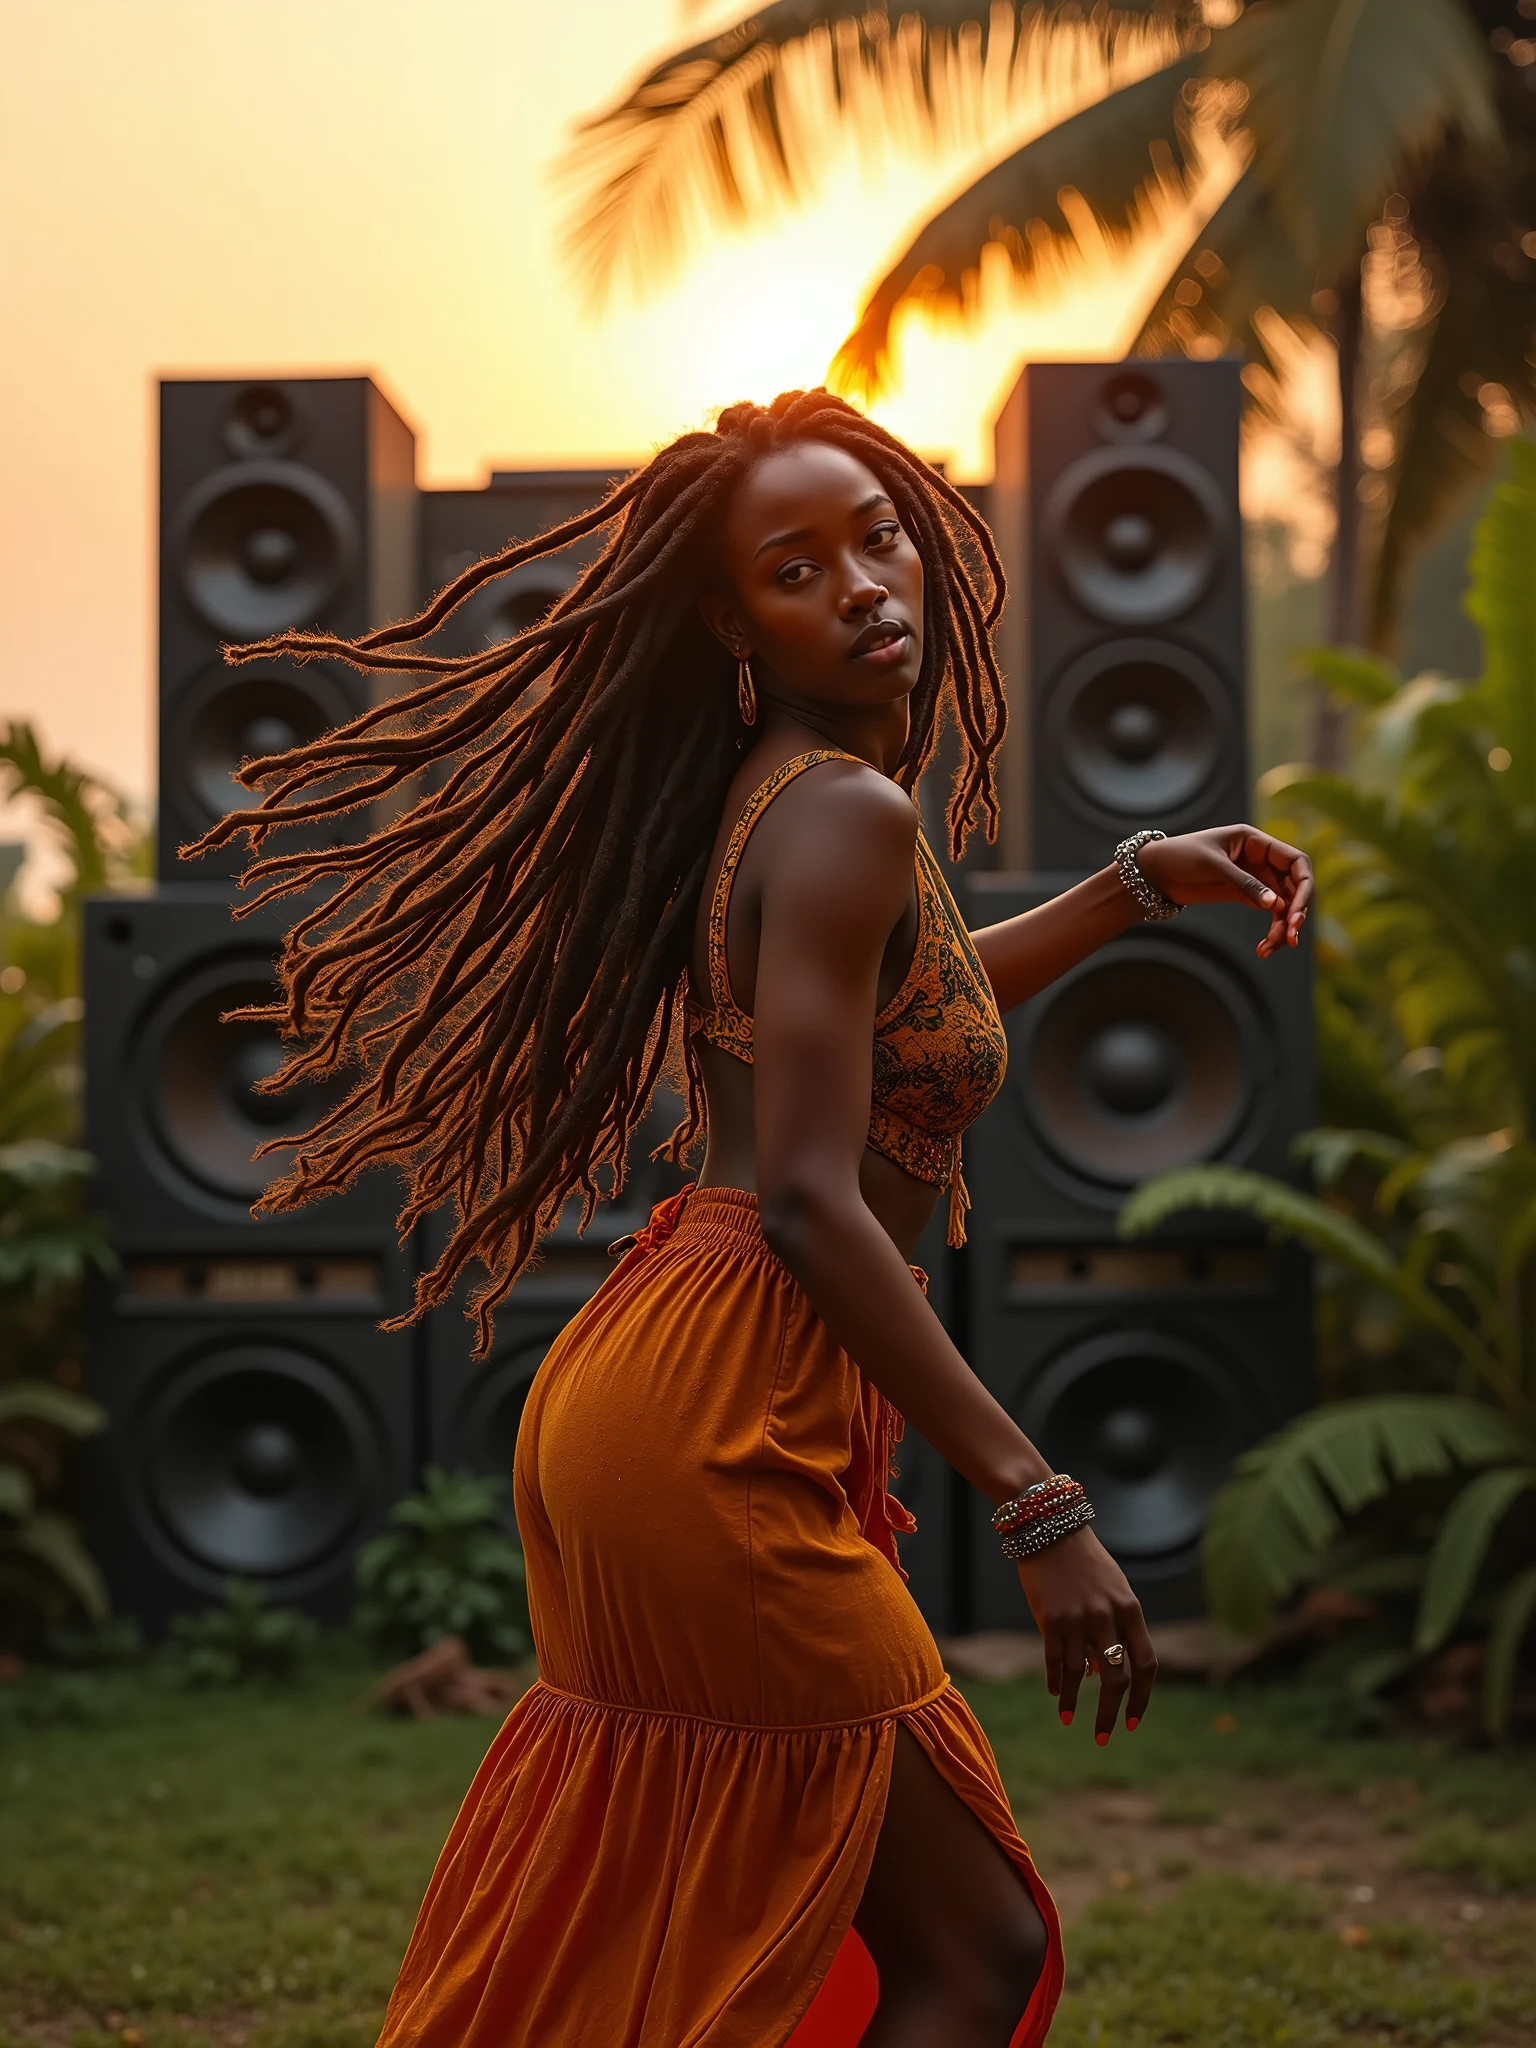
column 259, row 1425
column 934, row 1558
column 283, row 502
column 1172, row 1045
column 1116, row 508
column 472, row 1407
column 460, row 528
column 1144, row 1370
column 170, row 1110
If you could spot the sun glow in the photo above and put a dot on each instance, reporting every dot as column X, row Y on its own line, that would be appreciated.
column 369, row 185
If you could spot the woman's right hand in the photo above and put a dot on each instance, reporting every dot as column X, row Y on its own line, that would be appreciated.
column 1083, row 1604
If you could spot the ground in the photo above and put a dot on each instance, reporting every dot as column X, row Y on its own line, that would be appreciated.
column 242, row 1868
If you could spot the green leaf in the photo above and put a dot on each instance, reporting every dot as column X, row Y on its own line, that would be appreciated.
column 1348, row 674
column 1511, row 1622
column 1288, row 1499
column 53, row 1543
column 17, row 1494
column 1330, row 1153
column 1502, row 601
column 45, row 1401
column 1290, row 1213
column 1343, row 101
column 1460, row 1548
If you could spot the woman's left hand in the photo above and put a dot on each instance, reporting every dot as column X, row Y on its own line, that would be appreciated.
column 1235, row 864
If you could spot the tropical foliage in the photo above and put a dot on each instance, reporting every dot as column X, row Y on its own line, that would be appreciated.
column 1426, row 1203
column 1288, row 148
column 232, row 1644
column 49, row 1238
column 445, row 1567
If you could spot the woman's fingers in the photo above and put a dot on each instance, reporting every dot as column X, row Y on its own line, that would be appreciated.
column 1113, row 1681
column 1073, row 1656
column 1142, row 1659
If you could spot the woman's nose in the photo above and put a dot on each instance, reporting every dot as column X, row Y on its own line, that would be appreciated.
column 861, row 593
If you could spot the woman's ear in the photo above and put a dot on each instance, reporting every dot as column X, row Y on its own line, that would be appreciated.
column 719, row 614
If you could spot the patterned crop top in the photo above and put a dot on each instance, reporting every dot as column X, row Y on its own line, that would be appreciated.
column 940, row 1050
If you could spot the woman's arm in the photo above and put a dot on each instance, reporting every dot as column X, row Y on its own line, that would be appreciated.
column 835, row 856
column 1228, row 864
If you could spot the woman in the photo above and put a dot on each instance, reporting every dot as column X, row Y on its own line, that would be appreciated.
column 673, row 823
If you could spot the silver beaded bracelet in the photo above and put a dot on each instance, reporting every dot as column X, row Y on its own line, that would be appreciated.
column 1037, row 1536
column 1154, row 904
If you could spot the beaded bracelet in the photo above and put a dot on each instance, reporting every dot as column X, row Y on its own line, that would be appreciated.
column 1154, row 904
column 1038, row 1536
column 1043, row 1498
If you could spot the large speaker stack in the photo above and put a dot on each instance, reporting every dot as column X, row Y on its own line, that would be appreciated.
column 260, row 1423
column 1143, row 1369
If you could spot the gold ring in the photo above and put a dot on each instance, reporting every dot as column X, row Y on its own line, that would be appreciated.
column 1114, row 1655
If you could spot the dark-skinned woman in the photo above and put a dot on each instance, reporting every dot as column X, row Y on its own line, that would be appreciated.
column 672, row 830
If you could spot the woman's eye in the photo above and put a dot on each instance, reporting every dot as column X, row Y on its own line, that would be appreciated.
column 796, row 572
column 884, row 534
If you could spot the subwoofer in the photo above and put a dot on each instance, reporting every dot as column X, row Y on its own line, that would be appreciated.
column 283, row 502
column 1144, row 1371
column 1173, row 1045
column 172, row 1111
column 1116, row 509
column 259, row 1425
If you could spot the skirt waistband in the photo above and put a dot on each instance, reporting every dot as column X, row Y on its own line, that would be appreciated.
column 697, row 1214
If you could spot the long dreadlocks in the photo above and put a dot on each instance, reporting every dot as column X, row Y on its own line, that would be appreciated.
column 496, row 972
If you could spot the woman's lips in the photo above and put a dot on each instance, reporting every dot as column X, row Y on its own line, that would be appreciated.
column 886, row 651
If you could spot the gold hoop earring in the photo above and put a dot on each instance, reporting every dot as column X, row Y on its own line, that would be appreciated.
column 746, row 696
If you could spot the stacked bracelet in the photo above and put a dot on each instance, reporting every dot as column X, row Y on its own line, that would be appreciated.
column 1037, row 1536
column 1041, row 1515
column 1045, row 1497
column 1154, row 904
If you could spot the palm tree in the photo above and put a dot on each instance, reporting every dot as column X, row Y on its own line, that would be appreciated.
column 1326, row 152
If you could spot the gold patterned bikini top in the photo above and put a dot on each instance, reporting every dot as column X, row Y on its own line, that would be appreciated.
column 940, row 1050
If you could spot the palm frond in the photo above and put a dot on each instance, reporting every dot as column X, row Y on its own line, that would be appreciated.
column 1241, row 260
column 1511, row 1624
column 1344, row 101
column 1331, row 1152
column 1108, row 153
column 746, row 111
column 73, row 799
column 52, row 1543
column 1288, row 1499
column 61, row 1408
column 1460, row 1548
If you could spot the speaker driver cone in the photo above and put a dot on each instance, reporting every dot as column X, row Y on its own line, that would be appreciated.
column 1142, row 728
column 261, row 546
column 1135, row 533
column 232, row 716
column 1139, row 1062
column 257, row 1460
column 199, row 1079
column 1149, row 1424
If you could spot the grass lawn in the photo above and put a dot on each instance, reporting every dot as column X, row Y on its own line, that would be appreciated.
column 243, row 1868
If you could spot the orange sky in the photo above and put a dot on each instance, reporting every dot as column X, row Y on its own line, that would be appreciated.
column 364, row 184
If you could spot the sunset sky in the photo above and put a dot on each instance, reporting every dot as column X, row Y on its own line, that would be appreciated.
column 341, row 185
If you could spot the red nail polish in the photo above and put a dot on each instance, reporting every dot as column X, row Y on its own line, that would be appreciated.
column 1101, row 1738
column 1066, row 1717
column 1132, row 1721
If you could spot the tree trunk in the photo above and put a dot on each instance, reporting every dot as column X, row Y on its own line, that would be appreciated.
column 1328, row 730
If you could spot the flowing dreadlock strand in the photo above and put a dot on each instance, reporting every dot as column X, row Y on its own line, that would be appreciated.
column 492, row 980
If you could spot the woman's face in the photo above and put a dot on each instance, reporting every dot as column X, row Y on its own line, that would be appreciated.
column 826, row 595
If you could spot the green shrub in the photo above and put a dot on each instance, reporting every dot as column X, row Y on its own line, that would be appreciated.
column 445, row 1567
column 242, row 1640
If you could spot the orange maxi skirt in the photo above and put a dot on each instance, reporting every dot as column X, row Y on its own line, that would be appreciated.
column 667, row 1841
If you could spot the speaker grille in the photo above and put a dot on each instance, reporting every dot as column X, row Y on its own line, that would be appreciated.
column 262, row 546
column 1141, row 729
column 1149, row 1423
column 257, row 1460
column 1139, row 1062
